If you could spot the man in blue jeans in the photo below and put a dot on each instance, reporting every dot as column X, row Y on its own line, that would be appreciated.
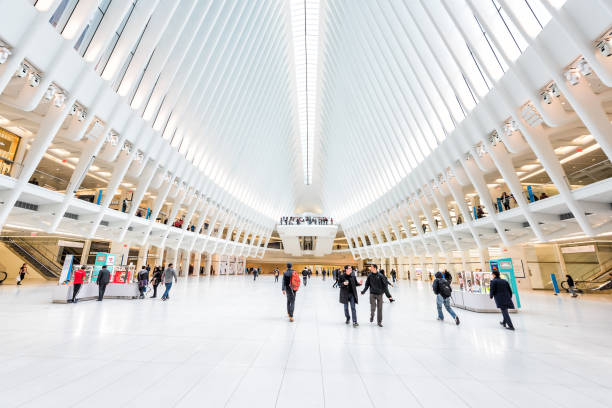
column 442, row 289
column 169, row 273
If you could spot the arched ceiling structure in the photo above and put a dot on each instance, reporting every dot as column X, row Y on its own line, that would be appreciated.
column 378, row 113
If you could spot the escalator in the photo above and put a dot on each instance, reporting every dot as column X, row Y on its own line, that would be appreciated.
column 597, row 279
column 35, row 257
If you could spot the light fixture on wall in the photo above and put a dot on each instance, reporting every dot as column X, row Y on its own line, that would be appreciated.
column 572, row 76
column 22, row 71
column 59, row 100
column 604, row 47
column 546, row 97
column 583, row 67
column 4, row 54
column 50, row 92
column 34, row 79
column 81, row 115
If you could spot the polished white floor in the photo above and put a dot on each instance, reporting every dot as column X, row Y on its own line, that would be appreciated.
column 226, row 342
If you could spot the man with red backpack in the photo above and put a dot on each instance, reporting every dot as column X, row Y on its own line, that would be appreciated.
column 291, row 284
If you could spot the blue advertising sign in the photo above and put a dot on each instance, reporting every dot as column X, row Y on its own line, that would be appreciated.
column 506, row 270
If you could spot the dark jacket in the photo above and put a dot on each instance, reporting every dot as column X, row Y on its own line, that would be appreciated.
column 157, row 276
column 436, row 284
column 570, row 281
column 287, row 280
column 345, row 290
column 376, row 283
column 502, row 293
column 448, row 276
column 103, row 276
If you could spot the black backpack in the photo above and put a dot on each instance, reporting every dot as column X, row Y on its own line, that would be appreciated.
column 444, row 287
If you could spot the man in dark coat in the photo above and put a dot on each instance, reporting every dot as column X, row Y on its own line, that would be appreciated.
column 348, row 293
column 502, row 293
column 376, row 283
column 102, row 281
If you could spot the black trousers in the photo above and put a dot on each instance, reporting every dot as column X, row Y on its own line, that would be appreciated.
column 290, row 302
column 276, row 278
column 101, row 290
column 75, row 290
column 506, row 315
column 155, row 290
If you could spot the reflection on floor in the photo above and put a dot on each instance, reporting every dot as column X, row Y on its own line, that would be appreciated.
column 226, row 342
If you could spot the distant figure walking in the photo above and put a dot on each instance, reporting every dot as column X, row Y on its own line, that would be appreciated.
column 348, row 294
column 79, row 275
column 502, row 293
column 22, row 273
column 291, row 284
column 276, row 274
column 376, row 283
column 156, row 279
column 393, row 275
column 442, row 288
column 169, row 274
column 143, row 281
column 102, row 281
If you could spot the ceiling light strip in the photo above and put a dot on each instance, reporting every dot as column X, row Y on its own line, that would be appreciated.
column 305, row 29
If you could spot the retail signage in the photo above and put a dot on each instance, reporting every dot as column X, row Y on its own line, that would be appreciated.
column 506, row 270
column 578, row 249
column 66, row 269
column 69, row 244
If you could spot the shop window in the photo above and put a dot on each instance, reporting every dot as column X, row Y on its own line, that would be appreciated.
column 8, row 148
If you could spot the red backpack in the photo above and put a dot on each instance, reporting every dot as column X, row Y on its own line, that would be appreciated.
column 295, row 281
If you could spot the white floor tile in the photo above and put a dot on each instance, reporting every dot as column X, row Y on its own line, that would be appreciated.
column 227, row 342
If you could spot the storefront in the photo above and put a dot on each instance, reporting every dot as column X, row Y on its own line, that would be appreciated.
column 9, row 142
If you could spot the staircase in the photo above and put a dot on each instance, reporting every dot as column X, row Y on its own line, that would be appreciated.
column 37, row 257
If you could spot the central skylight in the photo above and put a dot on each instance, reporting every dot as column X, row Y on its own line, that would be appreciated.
column 305, row 28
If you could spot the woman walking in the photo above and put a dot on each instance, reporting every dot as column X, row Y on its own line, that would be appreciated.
column 156, row 279
column 22, row 273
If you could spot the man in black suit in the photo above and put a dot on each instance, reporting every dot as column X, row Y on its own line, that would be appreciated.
column 502, row 293
column 103, row 279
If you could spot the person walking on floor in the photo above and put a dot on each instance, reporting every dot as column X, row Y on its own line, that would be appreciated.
column 336, row 277
column 143, row 281
column 305, row 276
column 169, row 274
column 291, row 284
column 156, row 279
column 447, row 275
column 502, row 293
column 393, row 275
column 571, row 285
column 102, row 281
column 22, row 273
column 387, row 284
column 276, row 274
column 376, row 283
column 348, row 294
column 79, row 275
column 442, row 289
column 255, row 274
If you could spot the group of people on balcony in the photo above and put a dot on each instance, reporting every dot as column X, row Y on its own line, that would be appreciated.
column 306, row 220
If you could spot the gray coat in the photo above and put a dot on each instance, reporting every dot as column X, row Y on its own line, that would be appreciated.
column 169, row 273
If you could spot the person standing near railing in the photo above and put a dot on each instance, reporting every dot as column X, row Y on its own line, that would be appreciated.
column 22, row 273
column 79, row 275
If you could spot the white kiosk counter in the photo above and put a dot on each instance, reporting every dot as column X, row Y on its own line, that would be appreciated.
column 476, row 302
column 89, row 291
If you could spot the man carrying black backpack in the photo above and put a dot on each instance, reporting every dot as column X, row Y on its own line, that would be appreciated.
column 442, row 289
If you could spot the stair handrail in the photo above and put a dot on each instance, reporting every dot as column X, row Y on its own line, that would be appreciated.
column 33, row 259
